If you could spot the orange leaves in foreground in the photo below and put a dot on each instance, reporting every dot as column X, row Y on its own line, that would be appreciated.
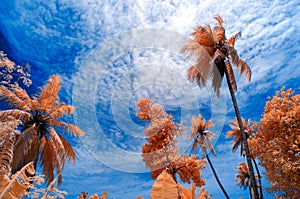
column 277, row 143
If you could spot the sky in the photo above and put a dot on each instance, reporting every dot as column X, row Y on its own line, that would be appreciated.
column 112, row 53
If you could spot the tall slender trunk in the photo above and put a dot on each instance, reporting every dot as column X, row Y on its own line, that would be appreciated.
column 250, row 192
column 216, row 176
column 259, row 180
column 244, row 138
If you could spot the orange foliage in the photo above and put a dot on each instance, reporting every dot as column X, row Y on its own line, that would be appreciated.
column 187, row 193
column 209, row 47
column 40, row 116
column 236, row 134
column 160, row 152
column 277, row 143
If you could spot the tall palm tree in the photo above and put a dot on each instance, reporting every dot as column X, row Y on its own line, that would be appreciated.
column 201, row 138
column 235, row 133
column 215, row 55
column 40, row 119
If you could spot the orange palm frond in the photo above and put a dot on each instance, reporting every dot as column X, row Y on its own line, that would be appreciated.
column 219, row 31
column 13, row 99
column 16, row 114
column 232, row 39
column 70, row 153
column 8, row 128
column 240, row 64
column 236, row 134
column 231, row 75
column 6, row 155
column 210, row 146
column 22, row 94
column 27, row 144
column 74, row 130
column 219, row 20
column 48, row 97
column 243, row 177
column 59, row 111
column 195, row 145
column 203, row 36
column 54, row 151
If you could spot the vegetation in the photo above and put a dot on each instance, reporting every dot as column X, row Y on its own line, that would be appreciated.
column 277, row 143
column 32, row 126
column 214, row 57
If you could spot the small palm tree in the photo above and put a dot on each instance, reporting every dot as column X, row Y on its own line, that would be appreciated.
column 243, row 177
column 236, row 134
column 40, row 118
column 215, row 55
column 201, row 138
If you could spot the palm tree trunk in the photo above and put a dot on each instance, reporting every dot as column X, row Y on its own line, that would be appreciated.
column 244, row 138
column 250, row 192
column 216, row 176
column 259, row 180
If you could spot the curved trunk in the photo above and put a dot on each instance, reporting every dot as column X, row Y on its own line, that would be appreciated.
column 259, row 179
column 244, row 138
column 216, row 176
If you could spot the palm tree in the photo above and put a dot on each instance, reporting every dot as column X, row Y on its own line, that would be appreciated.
column 38, row 138
column 243, row 177
column 214, row 57
column 201, row 138
column 235, row 133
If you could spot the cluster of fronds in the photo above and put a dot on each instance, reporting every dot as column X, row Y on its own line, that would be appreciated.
column 210, row 47
column 277, row 143
column 38, row 137
column 16, row 185
column 200, row 135
column 160, row 152
column 10, row 73
column 236, row 133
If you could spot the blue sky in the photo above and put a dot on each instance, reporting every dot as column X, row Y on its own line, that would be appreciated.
column 111, row 53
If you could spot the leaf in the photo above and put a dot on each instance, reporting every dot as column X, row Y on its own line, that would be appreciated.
column 164, row 187
column 13, row 99
column 48, row 97
column 219, row 20
column 16, row 114
column 6, row 155
column 240, row 64
column 203, row 36
column 19, row 183
column 232, row 39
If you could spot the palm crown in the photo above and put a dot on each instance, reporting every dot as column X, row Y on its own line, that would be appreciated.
column 236, row 134
column 211, row 48
column 200, row 135
column 39, row 138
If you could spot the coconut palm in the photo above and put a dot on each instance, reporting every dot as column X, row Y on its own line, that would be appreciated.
column 201, row 139
column 215, row 55
column 39, row 138
column 236, row 134
column 243, row 177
